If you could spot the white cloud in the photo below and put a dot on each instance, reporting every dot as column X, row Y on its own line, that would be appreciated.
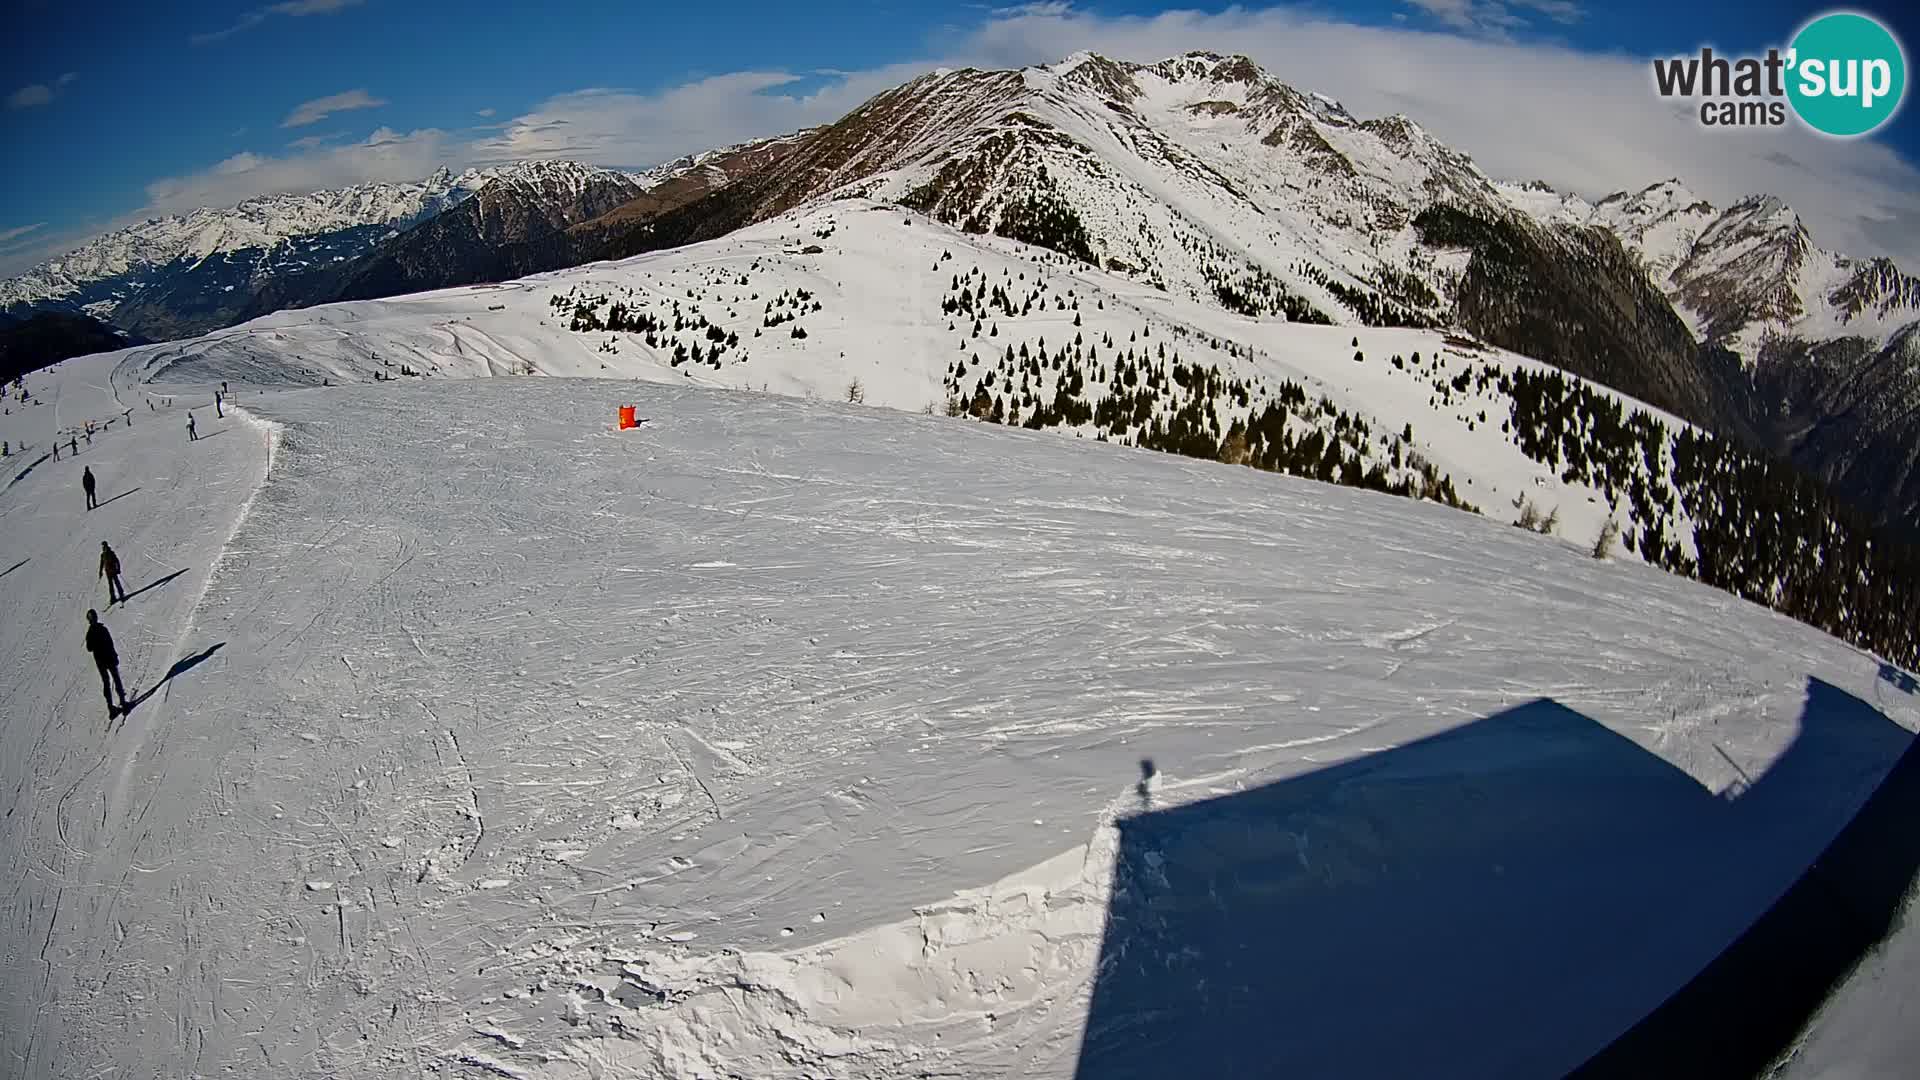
column 312, row 112
column 30, row 245
column 1496, row 18
column 311, row 7
column 293, row 8
column 483, row 113
column 38, row 94
column 622, row 127
column 1037, row 7
column 29, row 96
column 11, row 237
column 384, row 156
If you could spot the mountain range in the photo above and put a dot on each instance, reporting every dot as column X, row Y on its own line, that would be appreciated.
column 1200, row 176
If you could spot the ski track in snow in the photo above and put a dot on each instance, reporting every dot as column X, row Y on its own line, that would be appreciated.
column 775, row 738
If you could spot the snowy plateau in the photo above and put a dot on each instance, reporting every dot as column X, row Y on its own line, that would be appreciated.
column 793, row 736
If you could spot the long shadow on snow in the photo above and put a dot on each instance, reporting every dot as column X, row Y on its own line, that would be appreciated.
column 179, row 668
column 151, row 585
column 1500, row 900
column 115, row 499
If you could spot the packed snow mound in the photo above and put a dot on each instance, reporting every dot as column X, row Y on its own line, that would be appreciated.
column 785, row 738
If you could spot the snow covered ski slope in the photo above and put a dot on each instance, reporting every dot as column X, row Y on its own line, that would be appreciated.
column 789, row 738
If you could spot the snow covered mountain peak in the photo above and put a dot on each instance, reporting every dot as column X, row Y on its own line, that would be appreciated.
column 548, row 178
column 1742, row 274
column 337, row 223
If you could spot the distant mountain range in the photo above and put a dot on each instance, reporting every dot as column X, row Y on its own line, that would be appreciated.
column 1199, row 175
column 182, row 275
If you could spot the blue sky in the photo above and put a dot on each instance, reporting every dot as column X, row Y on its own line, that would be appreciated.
column 119, row 111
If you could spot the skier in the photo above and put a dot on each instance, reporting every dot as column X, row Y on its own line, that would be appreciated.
column 216, row 406
column 73, row 445
column 56, row 448
column 100, row 644
column 110, row 569
column 86, row 484
column 191, row 434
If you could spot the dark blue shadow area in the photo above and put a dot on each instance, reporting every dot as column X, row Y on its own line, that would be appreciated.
column 116, row 498
column 180, row 667
column 1755, row 998
column 151, row 585
column 1502, row 900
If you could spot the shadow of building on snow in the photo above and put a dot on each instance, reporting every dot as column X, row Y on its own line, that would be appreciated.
column 1528, row 895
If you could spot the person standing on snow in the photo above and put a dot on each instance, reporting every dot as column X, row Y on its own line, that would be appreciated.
column 110, row 569
column 191, row 433
column 216, row 406
column 100, row 644
column 73, row 445
column 86, row 484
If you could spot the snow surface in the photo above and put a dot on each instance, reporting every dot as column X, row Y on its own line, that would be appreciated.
column 775, row 738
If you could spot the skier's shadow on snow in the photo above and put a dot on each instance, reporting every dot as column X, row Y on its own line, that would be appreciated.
column 1519, row 897
column 180, row 667
column 151, row 585
column 115, row 499
column 16, row 566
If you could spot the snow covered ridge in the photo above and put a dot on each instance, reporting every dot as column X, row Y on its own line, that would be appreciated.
column 855, row 300
column 277, row 220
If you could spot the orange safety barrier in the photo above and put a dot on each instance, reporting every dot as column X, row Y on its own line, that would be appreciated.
column 627, row 417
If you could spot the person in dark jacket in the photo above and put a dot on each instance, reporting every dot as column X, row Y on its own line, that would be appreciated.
column 86, row 484
column 191, row 433
column 110, row 569
column 100, row 644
